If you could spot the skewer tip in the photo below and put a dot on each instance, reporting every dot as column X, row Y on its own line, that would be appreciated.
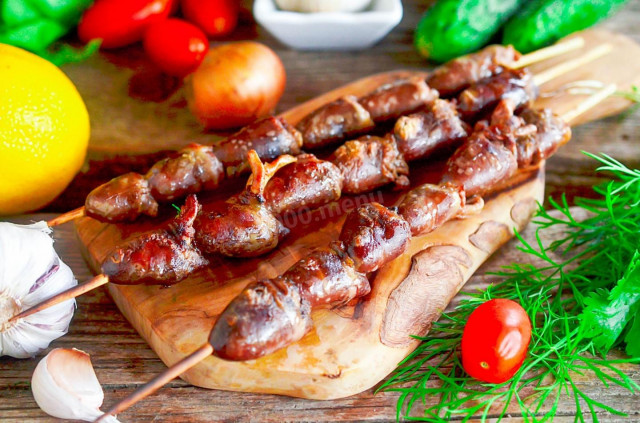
column 554, row 50
column 69, row 294
column 589, row 102
column 159, row 381
column 564, row 67
column 66, row 217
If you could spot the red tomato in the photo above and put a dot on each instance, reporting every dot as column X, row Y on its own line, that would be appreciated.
column 214, row 17
column 495, row 340
column 121, row 22
column 176, row 46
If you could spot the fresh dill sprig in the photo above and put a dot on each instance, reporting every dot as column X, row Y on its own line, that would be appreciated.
column 581, row 305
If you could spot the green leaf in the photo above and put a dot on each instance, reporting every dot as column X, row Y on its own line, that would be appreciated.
column 59, row 55
column 633, row 337
column 607, row 313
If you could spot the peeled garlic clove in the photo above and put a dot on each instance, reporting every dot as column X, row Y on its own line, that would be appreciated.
column 31, row 272
column 65, row 385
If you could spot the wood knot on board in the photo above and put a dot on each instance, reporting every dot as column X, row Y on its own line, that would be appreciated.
column 490, row 235
column 523, row 210
column 434, row 279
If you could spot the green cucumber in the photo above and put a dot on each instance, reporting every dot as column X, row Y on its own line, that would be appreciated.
column 543, row 22
column 451, row 28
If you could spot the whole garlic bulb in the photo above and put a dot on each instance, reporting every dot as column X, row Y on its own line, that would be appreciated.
column 65, row 385
column 30, row 272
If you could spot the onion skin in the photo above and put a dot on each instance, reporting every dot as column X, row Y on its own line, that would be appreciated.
column 235, row 84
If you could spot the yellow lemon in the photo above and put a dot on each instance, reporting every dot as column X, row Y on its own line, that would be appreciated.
column 44, row 131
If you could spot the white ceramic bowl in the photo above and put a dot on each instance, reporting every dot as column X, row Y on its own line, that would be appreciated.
column 329, row 31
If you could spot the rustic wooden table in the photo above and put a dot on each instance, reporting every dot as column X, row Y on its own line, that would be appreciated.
column 123, row 360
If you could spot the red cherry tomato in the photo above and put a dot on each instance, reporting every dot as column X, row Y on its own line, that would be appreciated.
column 176, row 46
column 214, row 17
column 121, row 22
column 495, row 340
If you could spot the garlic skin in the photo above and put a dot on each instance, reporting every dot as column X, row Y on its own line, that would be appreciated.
column 30, row 272
column 65, row 385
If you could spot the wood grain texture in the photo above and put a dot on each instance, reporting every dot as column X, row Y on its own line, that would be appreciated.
column 123, row 360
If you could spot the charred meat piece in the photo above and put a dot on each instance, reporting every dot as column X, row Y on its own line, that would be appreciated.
column 428, row 206
column 460, row 73
column 373, row 235
column 270, row 314
column 483, row 160
column 516, row 85
column 159, row 257
column 123, row 198
column 421, row 134
column 334, row 122
column 370, row 162
column 270, row 137
column 327, row 276
column 306, row 184
column 196, row 168
column 391, row 101
column 266, row 316
column 244, row 227
column 551, row 133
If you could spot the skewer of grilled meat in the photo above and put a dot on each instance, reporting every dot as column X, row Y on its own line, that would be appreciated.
column 129, row 195
column 270, row 314
column 195, row 168
column 517, row 85
column 458, row 74
column 166, row 255
column 348, row 116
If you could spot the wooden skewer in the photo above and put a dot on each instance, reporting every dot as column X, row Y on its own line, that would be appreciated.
column 589, row 102
column 63, row 296
column 549, row 52
column 564, row 67
column 66, row 217
column 206, row 350
column 159, row 381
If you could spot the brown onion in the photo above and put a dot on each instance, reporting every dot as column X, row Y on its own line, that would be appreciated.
column 235, row 84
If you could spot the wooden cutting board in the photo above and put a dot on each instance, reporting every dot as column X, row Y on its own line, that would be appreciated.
column 350, row 348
